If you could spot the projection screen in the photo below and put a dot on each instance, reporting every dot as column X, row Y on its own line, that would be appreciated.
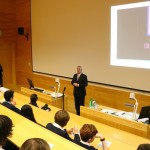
column 68, row 33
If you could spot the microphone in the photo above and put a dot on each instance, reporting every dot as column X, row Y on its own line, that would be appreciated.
column 130, row 105
column 149, row 117
column 64, row 89
column 63, row 96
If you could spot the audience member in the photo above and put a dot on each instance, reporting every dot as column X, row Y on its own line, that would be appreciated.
column 10, row 102
column 35, row 144
column 26, row 111
column 144, row 147
column 33, row 101
column 5, row 129
column 61, row 119
column 88, row 133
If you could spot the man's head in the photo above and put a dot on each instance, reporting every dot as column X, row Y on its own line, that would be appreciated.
column 9, row 95
column 62, row 117
column 79, row 69
column 88, row 133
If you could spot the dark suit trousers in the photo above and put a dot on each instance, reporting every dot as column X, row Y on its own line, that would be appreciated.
column 79, row 101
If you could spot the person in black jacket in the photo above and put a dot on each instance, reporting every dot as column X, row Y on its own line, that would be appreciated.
column 88, row 133
column 79, row 81
column 61, row 119
column 1, row 76
column 10, row 102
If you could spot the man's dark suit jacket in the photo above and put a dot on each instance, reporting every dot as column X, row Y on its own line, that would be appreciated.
column 83, row 82
column 62, row 133
column 86, row 146
column 12, row 107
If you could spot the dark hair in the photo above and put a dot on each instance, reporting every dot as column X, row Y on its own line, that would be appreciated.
column 144, row 147
column 35, row 144
column 33, row 100
column 62, row 117
column 87, row 131
column 26, row 111
column 5, row 128
column 8, row 95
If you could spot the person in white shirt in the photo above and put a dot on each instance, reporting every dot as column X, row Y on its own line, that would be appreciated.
column 88, row 133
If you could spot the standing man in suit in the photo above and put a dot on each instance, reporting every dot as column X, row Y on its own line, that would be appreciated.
column 79, row 81
column 1, row 76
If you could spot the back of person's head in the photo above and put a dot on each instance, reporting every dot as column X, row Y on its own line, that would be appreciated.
column 5, row 128
column 33, row 98
column 8, row 95
column 62, row 117
column 26, row 111
column 35, row 144
column 87, row 132
column 144, row 147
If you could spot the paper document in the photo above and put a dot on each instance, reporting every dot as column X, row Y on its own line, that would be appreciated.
column 51, row 145
column 108, row 143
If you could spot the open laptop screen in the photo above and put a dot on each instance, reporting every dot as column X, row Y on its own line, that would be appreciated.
column 144, row 112
column 30, row 84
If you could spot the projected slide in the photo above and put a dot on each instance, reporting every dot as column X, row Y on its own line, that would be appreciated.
column 130, row 35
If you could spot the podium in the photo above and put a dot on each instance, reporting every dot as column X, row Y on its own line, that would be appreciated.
column 47, row 97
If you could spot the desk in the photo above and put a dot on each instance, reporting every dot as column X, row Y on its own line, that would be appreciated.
column 24, row 129
column 44, row 97
column 117, row 122
column 121, row 140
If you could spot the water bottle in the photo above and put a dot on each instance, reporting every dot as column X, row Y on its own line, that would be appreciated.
column 91, row 103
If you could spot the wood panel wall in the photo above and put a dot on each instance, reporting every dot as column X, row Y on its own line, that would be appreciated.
column 20, row 48
column 7, row 38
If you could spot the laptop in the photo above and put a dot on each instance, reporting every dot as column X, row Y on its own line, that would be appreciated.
column 145, row 112
column 32, row 87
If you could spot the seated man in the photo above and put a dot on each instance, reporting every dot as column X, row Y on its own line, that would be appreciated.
column 10, row 102
column 61, row 119
column 88, row 133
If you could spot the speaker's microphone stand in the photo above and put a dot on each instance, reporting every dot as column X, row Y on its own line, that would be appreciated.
column 63, row 96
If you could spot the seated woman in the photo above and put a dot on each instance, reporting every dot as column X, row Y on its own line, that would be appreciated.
column 6, row 126
column 35, row 144
column 61, row 119
column 88, row 133
column 26, row 111
column 33, row 101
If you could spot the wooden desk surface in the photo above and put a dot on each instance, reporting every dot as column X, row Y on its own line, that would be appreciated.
column 24, row 129
column 121, row 140
column 46, row 98
column 117, row 122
